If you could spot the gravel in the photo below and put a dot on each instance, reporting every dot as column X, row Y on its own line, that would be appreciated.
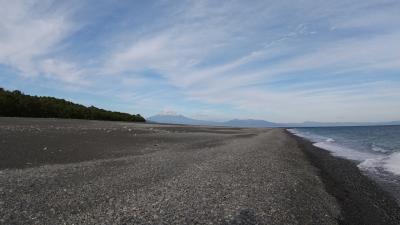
column 127, row 173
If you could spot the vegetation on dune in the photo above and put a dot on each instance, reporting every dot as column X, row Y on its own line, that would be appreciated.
column 17, row 104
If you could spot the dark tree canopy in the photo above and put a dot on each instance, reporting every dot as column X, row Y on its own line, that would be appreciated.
column 17, row 104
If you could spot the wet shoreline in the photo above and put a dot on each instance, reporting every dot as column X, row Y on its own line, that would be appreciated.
column 361, row 199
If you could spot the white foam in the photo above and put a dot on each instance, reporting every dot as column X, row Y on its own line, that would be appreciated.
column 330, row 140
column 392, row 163
column 378, row 149
column 368, row 161
column 307, row 135
column 296, row 132
column 291, row 130
column 371, row 164
column 341, row 151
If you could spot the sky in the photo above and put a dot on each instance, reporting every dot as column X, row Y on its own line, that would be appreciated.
column 281, row 61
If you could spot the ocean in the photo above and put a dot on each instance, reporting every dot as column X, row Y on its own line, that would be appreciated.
column 376, row 149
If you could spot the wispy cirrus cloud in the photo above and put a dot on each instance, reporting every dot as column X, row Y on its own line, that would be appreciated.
column 30, row 32
column 282, row 61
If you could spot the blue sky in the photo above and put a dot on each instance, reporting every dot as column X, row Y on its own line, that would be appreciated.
column 282, row 61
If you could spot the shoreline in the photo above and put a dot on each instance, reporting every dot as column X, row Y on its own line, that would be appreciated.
column 361, row 199
column 118, row 173
column 81, row 172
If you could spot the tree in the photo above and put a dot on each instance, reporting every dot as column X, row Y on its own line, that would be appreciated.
column 17, row 104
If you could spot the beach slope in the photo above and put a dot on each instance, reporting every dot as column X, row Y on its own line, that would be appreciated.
column 57, row 171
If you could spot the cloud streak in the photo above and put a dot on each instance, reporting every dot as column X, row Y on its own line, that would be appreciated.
column 279, row 61
column 30, row 33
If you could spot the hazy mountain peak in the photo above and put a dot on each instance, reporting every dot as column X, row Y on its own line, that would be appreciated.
column 181, row 119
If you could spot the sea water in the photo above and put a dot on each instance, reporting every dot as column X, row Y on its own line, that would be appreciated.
column 375, row 149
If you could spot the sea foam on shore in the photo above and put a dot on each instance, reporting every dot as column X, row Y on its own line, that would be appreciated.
column 375, row 149
column 393, row 163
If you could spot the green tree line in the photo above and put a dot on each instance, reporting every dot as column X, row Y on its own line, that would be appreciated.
column 18, row 104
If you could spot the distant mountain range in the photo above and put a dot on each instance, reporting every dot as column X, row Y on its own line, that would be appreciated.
column 249, row 123
column 180, row 119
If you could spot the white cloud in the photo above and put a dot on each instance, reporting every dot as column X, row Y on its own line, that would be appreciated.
column 381, row 52
column 29, row 32
column 179, row 51
column 62, row 71
column 223, row 54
